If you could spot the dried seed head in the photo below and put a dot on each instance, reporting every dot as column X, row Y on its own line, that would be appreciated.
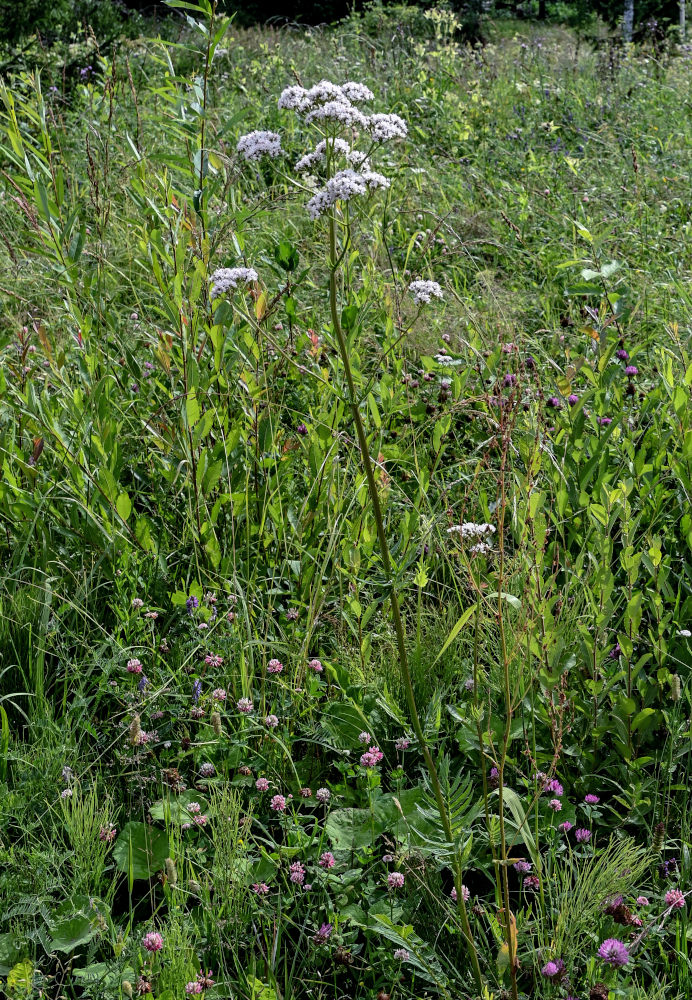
column 127, row 987
column 135, row 730
column 216, row 723
column 675, row 688
column 659, row 836
column 194, row 887
column 171, row 872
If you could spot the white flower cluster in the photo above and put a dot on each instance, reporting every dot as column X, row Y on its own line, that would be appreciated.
column 469, row 529
column 343, row 186
column 303, row 101
column 226, row 279
column 423, row 291
column 320, row 153
column 338, row 112
column 255, row 145
column 385, row 127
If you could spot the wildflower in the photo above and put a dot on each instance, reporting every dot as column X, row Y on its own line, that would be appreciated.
column 200, row 820
column 401, row 955
column 226, row 279
column 274, row 666
column 191, row 603
column 197, row 712
column 572, row 399
column 532, row 883
column 553, row 785
column 316, row 666
column 306, row 793
column 212, row 660
column 494, row 773
column 566, row 826
column 373, row 756
column 143, row 682
column 137, row 602
column 675, row 899
column 219, row 694
column 302, row 430
column 423, row 291
column 134, row 666
column 107, row 834
column 343, row 186
column 604, row 421
column 245, row 706
column 152, row 941
column 292, row 615
column 323, row 934
column 582, row 836
column 319, row 153
column 642, row 901
column 260, row 888
column 631, row 370
column 364, row 737
column 271, row 721
column 327, row 860
column 196, row 691
column 255, row 145
column 402, row 744
column 262, row 785
column 193, row 987
column 382, row 127
column 395, row 880
column 465, row 893
column 555, row 805
column 278, row 803
column 470, row 529
column 685, row 633
column 207, row 770
column 66, row 793
column 522, row 867
column 469, row 684
column 244, row 770
column 621, row 354
column 297, row 873
column 338, row 112
column 551, row 970
column 554, row 403
column 613, row 952
column 591, row 800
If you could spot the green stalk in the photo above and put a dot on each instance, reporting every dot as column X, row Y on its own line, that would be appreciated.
column 334, row 260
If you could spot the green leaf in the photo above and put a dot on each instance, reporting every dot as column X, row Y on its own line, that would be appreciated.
column 123, row 505
column 455, row 632
column 141, row 850
column 521, row 823
column 76, row 922
column 174, row 809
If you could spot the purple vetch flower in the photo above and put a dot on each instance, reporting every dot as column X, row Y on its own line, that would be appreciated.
column 522, row 867
column 591, row 800
column 196, row 691
column 191, row 603
column 582, row 836
column 613, row 952
column 143, row 682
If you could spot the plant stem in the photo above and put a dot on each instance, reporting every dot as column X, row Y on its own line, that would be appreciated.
column 396, row 613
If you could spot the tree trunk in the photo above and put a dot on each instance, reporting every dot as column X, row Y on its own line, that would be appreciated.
column 682, row 20
column 628, row 21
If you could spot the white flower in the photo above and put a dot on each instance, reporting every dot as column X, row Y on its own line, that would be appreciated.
column 469, row 529
column 685, row 633
column 320, row 153
column 358, row 159
column 226, row 278
column 423, row 291
column 340, row 112
column 356, row 92
column 255, row 145
column 294, row 99
column 385, row 127
column 375, row 180
column 341, row 187
column 446, row 361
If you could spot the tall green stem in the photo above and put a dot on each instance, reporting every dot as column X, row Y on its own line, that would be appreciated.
column 396, row 613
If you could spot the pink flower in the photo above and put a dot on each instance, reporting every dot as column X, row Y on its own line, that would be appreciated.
column 262, row 785
column 642, row 901
column 532, row 883
column 271, row 722
column 592, row 800
column 327, row 860
column 200, row 820
column 395, row 880
column 107, row 834
column 212, row 660
column 274, row 666
column 306, row 793
column 297, row 873
column 195, row 987
column 373, row 757
column 219, row 694
column 245, row 706
column 134, row 666
column 582, row 836
column 364, row 737
column 522, row 867
column 553, row 785
column 566, row 826
column 316, row 666
column 323, row 795
column 261, row 888
column 465, row 893
column 675, row 899
column 194, row 808
column 152, row 941
column 278, row 803
column 402, row 744
column 555, row 805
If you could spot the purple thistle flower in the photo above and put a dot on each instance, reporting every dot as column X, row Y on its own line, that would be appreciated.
column 622, row 354
column 613, row 952
column 572, row 399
